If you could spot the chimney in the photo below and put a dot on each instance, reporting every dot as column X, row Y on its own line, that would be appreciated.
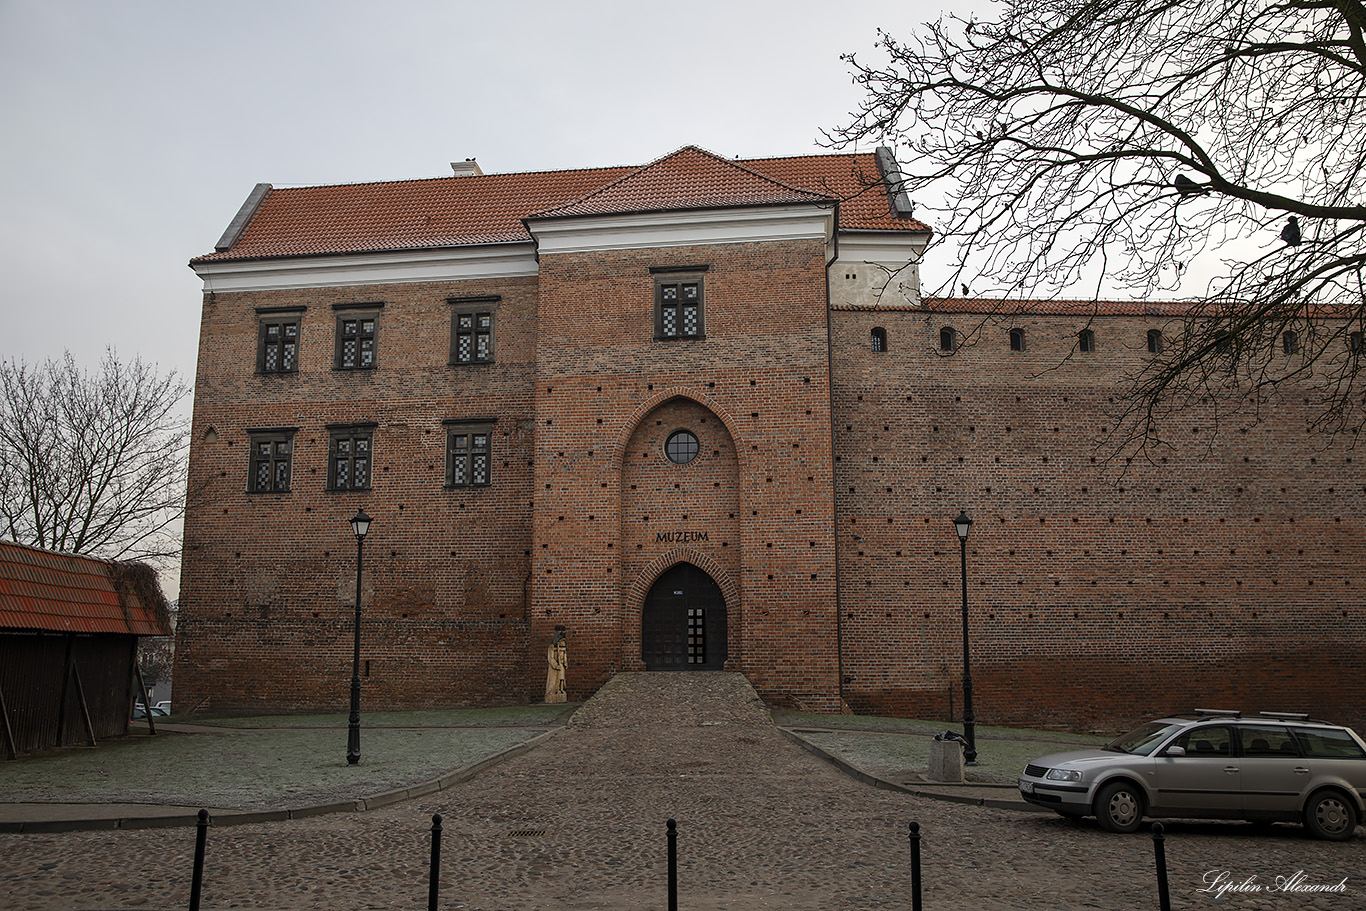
column 467, row 168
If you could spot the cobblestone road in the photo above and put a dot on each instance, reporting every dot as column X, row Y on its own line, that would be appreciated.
column 762, row 825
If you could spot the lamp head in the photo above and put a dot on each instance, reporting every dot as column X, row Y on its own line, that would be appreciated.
column 361, row 523
column 962, row 525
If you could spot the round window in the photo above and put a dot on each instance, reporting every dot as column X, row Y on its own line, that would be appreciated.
column 681, row 447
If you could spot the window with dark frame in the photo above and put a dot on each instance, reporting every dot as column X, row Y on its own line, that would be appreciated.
column 878, row 339
column 679, row 309
column 472, row 321
column 357, row 330
column 948, row 339
column 681, row 447
column 1017, row 339
column 469, row 454
column 1356, row 343
column 350, row 457
column 1290, row 342
column 272, row 451
column 277, row 348
column 1155, row 341
column 1086, row 341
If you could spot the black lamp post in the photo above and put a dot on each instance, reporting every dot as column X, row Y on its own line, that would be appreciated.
column 963, row 525
column 360, row 525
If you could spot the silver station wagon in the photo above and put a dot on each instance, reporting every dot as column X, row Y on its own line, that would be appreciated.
column 1213, row 764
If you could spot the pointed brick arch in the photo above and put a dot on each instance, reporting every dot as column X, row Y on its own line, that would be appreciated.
column 661, row 396
column 634, row 595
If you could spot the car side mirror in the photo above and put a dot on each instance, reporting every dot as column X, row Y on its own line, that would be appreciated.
column 1174, row 751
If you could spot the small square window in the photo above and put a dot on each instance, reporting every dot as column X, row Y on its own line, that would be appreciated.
column 472, row 323
column 469, row 455
column 277, row 349
column 357, row 337
column 271, row 454
column 349, row 458
column 679, row 310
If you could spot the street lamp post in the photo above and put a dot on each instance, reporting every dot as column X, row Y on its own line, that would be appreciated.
column 360, row 525
column 963, row 525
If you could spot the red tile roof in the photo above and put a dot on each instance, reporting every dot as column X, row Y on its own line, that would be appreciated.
column 489, row 208
column 57, row 592
column 687, row 179
column 1008, row 306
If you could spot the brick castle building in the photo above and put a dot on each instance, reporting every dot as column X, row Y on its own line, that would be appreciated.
column 698, row 414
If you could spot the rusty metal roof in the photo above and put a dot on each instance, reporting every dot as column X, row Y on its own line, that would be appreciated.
column 57, row 592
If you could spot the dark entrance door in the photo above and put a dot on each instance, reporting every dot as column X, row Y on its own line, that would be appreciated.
column 683, row 627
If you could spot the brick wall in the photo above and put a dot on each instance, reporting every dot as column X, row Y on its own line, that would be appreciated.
column 1221, row 573
column 608, row 393
column 268, row 582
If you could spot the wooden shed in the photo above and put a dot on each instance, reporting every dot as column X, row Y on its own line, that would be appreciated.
column 69, row 628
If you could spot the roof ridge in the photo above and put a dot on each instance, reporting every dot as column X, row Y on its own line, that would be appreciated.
column 639, row 172
column 442, row 177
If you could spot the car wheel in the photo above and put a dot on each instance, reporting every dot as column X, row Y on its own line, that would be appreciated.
column 1119, row 808
column 1330, row 815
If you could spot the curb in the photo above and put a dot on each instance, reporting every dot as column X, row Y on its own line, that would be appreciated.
column 246, row 817
column 882, row 783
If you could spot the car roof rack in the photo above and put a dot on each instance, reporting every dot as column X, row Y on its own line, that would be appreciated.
column 1288, row 716
column 1220, row 712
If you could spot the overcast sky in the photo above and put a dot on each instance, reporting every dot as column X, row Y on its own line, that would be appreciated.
column 134, row 130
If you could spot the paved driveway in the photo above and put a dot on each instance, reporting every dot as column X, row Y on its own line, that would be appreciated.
column 578, row 823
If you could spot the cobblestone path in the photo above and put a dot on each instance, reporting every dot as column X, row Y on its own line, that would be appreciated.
column 578, row 823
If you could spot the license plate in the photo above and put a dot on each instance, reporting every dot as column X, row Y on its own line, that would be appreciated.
column 1026, row 787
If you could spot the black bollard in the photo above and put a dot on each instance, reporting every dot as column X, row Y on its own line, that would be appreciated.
column 1164, row 901
column 434, row 878
column 673, row 865
column 197, row 881
column 915, row 866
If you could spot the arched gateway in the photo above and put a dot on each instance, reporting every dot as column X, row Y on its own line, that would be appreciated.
column 683, row 622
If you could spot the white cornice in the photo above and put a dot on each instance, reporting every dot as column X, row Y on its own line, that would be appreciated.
column 885, row 248
column 681, row 229
column 477, row 262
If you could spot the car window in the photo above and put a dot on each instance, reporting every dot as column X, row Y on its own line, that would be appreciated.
column 1210, row 741
column 1257, row 740
column 1142, row 740
column 1328, row 744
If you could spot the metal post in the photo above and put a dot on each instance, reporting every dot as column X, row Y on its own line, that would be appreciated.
column 673, row 865
column 1164, row 901
column 353, row 722
column 915, row 866
column 434, row 877
column 197, row 881
column 969, row 720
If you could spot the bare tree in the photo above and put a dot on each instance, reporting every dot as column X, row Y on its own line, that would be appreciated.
column 1121, row 146
column 93, row 463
